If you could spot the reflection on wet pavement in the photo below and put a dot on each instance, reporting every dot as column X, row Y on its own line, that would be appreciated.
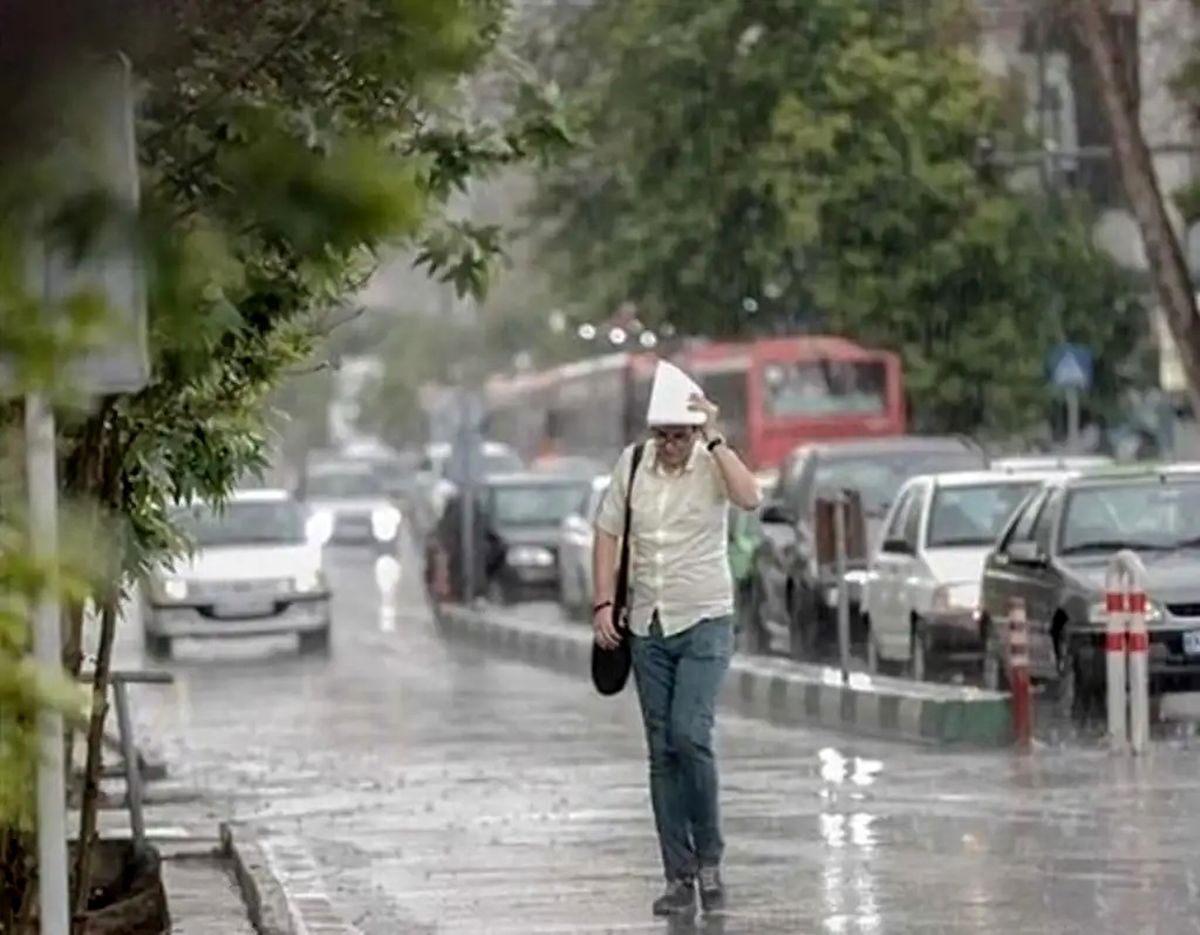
column 440, row 790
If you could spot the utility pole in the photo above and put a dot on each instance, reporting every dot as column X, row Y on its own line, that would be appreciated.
column 1135, row 166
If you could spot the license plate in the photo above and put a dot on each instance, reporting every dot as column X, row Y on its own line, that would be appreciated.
column 244, row 608
column 1191, row 643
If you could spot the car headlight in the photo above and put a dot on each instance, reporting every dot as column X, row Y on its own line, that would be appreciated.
column 175, row 588
column 1098, row 613
column 385, row 521
column 319, row 527
column 526, row 556
column 309, row 581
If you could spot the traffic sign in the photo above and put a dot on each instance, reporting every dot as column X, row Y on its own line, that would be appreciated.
column 1070, row 367
column 97, row 156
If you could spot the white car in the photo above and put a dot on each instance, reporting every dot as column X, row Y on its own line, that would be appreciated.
column 922, row 586
column 350, row 505
column 575, row 552
column 256, row 570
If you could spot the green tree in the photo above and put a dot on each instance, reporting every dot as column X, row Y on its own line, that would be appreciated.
column 282, row 148
column 815, row 165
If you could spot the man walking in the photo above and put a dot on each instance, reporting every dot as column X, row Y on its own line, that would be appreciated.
column 680, row 618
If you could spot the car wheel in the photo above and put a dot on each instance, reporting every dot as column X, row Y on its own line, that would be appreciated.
column 919, row 668
column 751, row 634
column 158, row 647
column 315, row 642
column 806, row 626
column 1071, row 691
column 994, row 677
column 497, row 593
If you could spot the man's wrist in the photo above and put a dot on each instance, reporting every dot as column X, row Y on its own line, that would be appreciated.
column 601, row 605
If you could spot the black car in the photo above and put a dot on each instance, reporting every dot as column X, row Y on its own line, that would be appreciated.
column 793, row 598
column 1053, row 555
column 526, row 513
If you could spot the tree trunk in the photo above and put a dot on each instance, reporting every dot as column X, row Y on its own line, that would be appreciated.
column 1168, row 265
column 95, row 749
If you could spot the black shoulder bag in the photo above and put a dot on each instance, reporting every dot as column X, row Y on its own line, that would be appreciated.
column 610, row 667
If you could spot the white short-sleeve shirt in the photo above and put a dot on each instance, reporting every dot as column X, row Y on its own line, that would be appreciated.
column 679, row 543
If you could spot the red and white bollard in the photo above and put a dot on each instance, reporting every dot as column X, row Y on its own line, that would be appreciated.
column 1137, row 646
column 1127, row 653
column 1018, row 674
column 1114, row 660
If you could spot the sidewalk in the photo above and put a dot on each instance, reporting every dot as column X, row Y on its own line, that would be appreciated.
column 204, row 898
column 203, row 894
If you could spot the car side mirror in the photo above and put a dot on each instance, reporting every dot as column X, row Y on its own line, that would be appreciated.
column 1025, row 553
column 896, row 546
column 777, row 514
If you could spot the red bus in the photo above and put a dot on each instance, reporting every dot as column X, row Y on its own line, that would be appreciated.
column 774, row 394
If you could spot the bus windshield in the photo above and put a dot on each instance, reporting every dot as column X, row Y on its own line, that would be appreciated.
column 824, row 388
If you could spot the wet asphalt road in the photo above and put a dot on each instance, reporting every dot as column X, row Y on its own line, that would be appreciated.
column 441, row 791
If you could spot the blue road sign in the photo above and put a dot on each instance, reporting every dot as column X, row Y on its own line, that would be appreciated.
column 1070, row 367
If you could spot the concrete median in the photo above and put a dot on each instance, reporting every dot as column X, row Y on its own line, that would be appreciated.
column 777, row 689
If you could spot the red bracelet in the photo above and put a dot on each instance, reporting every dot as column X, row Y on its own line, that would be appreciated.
column 600, row 607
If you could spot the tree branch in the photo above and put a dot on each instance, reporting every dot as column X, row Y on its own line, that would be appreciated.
column 242, row 76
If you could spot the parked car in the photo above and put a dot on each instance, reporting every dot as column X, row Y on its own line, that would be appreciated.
column 1053, row 556
column 1051, row 462
column 526, row 512
column 256, row 570
column 921, row 605
column 793, row 600
column 350, row 502
column 575, row 552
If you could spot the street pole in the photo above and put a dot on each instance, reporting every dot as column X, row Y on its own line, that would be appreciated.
column 467, row 441
column 840, row 505
column 53, row 892
column 1073, row 420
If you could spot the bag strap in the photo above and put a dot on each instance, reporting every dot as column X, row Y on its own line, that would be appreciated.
column 621, row 593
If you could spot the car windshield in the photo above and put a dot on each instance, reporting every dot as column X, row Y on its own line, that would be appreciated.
column 1151, row 515
column 344, row 484
column 879, row 476
column 534, row 504
column 975, row 515
column 501, row 463
column 275, row 522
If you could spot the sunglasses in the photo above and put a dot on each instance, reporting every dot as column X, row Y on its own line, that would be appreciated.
column 666, row 436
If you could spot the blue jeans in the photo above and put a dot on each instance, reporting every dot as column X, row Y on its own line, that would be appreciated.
column 678, row 679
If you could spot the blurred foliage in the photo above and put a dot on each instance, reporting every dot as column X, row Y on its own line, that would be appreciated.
column 423, row 351
column 787, row 165
column 282, row 146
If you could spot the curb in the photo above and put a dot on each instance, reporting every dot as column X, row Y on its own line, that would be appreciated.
column 877, row 706
column 262, row 892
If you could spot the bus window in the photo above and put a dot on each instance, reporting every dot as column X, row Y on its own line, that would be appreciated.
column 824, row 388
column 728, row 391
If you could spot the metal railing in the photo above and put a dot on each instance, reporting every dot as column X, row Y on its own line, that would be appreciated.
column 133, row 767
